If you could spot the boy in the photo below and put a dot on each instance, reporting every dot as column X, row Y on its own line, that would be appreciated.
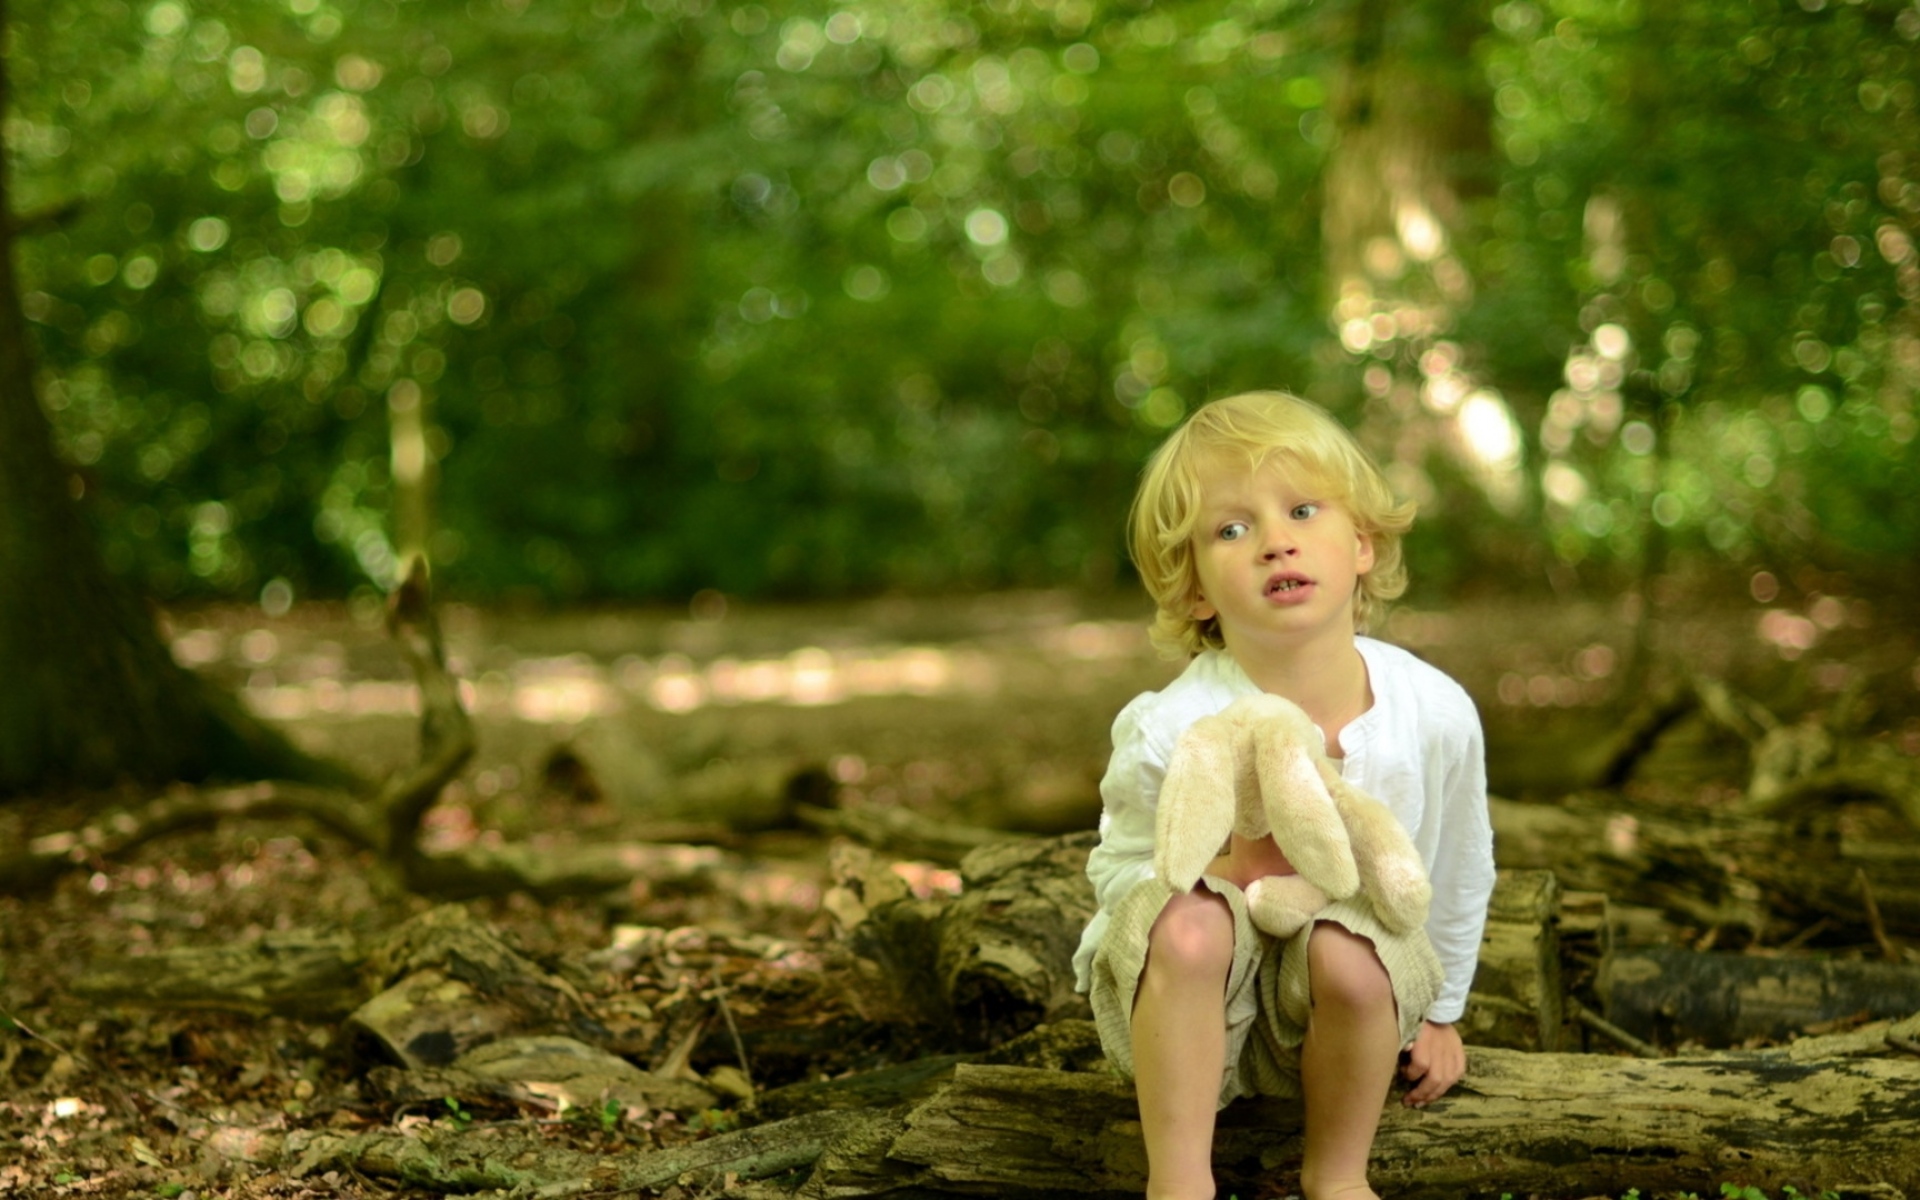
column 1267, row 538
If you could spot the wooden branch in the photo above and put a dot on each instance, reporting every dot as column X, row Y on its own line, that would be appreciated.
column 1613, row 1033
column 1641, row 731
column 446, row 731
column 46, row 858
column 902, row 832
column 1871, row 771
column 1888, row 950
column 387, row 822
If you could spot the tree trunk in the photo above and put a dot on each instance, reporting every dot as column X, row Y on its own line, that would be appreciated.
column 92, row 695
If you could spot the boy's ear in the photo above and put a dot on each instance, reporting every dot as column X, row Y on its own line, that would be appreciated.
column 1201, row 610
column 1363, row 557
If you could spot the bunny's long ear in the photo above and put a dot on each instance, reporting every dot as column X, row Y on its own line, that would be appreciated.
column 1390, row 867
column 1306, row 825
column 1195, row 812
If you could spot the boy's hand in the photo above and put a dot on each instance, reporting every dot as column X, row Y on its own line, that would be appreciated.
column 1435, row 1063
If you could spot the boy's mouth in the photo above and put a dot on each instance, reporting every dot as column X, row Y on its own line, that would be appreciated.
column 1281, row 585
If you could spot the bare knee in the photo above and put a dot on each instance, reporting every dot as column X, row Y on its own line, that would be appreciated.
column 1193, row 937
column 1346, row 971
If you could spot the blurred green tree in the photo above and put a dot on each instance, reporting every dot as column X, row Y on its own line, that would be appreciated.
column 599, row 299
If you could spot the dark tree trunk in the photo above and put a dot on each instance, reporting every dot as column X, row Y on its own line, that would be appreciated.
column 92, row 696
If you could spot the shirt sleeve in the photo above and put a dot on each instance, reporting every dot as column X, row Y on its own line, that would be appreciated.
column 1128, row 794
column 1462, row 870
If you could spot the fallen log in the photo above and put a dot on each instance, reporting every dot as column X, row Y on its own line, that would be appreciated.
column 610, row 760
column 549, row 1073
column 1006, row 943
column 1727, row 870
column 1554, row 1124
column 1517, row 996
column 1067, row 1046
column 319, row 975
column 512, row 1160
column 901, row 832
column 301, row 973
column 998, row 959
column 1864, row 1041
column 1790, row 765
column 1670, row 995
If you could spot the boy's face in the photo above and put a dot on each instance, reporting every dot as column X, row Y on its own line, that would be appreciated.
column 1277, row 562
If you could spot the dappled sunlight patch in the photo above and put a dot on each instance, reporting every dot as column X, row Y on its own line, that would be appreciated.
column 1792, row 634
column 808, row 677
column 1093, row 641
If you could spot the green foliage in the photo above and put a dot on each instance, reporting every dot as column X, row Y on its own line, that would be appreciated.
column 848, row 296
column 604, row 1119
column 457, row 1114
column 1721, row 194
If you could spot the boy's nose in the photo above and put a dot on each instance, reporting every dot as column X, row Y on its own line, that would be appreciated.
column 1277, row 546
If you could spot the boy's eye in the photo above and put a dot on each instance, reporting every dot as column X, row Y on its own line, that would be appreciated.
column 1233, row 531
column 1302, row 511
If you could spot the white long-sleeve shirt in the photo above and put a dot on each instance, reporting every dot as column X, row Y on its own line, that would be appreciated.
column 1418, row 750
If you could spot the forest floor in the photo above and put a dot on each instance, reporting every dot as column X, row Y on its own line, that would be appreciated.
column 989, row 710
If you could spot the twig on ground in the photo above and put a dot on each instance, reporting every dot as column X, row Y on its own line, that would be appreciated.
column 1806, row 935
column 739, row 1047
column 1888, row 949
column 120, row 1090
column 1599, row 1024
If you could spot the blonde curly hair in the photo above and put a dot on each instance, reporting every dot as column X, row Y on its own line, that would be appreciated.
column 1250, row 430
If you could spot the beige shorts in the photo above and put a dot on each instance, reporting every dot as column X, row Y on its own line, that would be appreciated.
column 1267, row 995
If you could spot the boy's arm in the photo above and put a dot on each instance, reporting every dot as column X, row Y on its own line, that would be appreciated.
column 1128, row 795
column 1462, row 871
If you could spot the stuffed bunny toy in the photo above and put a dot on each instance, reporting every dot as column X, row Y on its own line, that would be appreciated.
column 1258, row 767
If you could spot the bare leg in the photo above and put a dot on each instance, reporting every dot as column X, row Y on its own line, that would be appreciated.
column 1180, row 1042
column 1346, row 1063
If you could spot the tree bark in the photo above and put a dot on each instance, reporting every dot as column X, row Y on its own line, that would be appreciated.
column 1006, row 943
column 1556, row 1124
column 447, row 1161
column 304, row 974
column 92, row 696
column 1726, row 870
column 1671, row 996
